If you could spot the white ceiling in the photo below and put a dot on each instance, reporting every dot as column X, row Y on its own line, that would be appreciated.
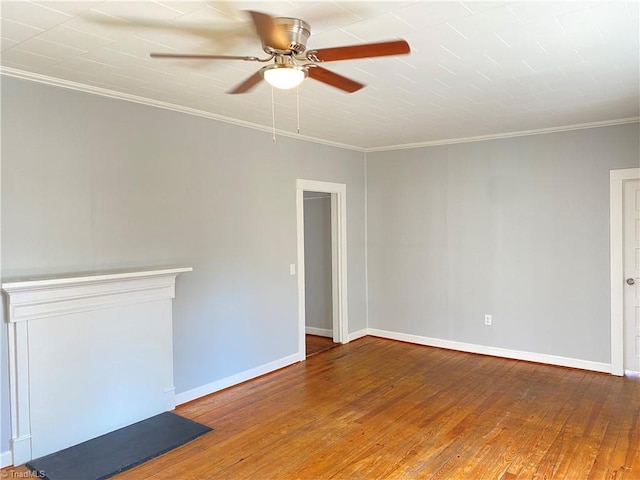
column 476, row 68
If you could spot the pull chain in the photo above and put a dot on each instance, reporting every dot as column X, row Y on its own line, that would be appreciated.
column 273, row 115
column 298, row 107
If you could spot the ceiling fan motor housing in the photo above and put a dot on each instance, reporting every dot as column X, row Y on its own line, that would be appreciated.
column 297, row 32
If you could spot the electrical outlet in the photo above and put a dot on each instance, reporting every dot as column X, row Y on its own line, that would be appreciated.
column 487, row 319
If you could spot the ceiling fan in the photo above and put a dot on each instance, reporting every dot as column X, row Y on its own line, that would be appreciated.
column 284, row 40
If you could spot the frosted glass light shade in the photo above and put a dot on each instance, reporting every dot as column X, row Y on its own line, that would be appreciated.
column 284, row 77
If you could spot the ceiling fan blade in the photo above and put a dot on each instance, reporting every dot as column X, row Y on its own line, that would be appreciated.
column 330, row 78
column 218, row 32
column 398, row 47
column 269, row 31
column 248, row 84
column 202, row 56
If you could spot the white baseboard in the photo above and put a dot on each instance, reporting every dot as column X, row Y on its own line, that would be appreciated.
column 359, row 334
column 218, row 385
column 6, row 459
column 322, row 332
column 494, row 351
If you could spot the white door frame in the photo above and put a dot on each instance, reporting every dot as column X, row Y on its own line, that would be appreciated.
column 617, row 180
column 338, row 193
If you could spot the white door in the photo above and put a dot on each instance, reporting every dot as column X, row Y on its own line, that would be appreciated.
column 631, row 274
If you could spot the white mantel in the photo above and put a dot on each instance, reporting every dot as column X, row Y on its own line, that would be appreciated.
column 87, row 355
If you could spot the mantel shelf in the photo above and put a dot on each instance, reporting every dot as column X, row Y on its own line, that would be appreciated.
column 34, row 299
column 86, row 278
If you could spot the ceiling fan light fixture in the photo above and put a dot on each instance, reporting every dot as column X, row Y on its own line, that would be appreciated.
column 284, row 76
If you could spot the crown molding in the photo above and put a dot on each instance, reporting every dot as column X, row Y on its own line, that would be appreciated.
column 498, row 136
column 81, row 87
column 59, row 82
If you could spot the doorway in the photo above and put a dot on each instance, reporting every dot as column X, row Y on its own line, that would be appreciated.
column 334, row 301
column 625, row 265
column 318, row 272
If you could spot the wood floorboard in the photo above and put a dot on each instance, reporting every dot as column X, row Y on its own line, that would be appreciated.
column 381, row 409
column 316, row 344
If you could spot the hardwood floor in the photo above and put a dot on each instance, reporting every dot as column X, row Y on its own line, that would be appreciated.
column 316, row 344
column 381, row 409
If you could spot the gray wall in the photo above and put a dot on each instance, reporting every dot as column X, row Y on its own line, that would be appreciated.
column 317, row 261
column 517, row 228
column 92, row 183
